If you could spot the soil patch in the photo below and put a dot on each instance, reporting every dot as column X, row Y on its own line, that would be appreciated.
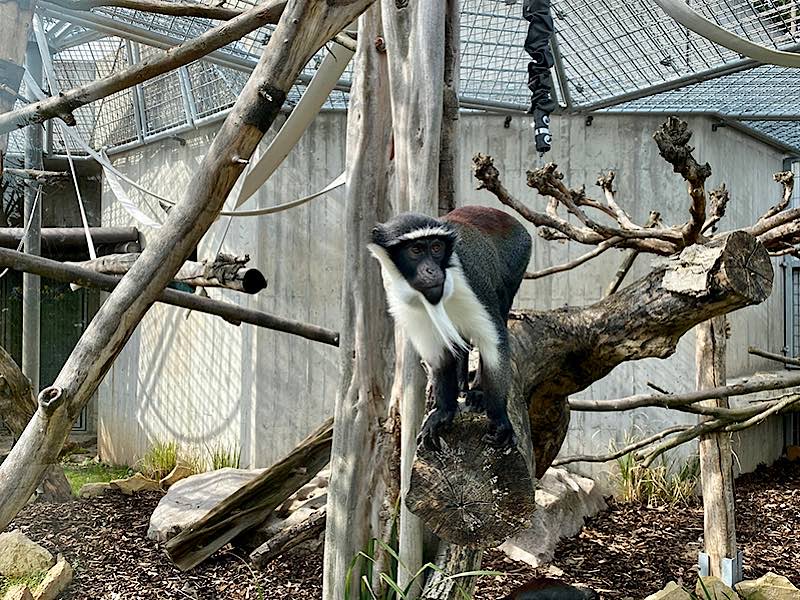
column 626, row 552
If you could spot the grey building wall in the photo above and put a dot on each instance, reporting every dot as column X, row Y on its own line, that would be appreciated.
column 202, row 381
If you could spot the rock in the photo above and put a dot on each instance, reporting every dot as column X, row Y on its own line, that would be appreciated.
column 190, row 499
column 135, row 483
column 18, row 592
column 768, row 587
column 94, row 490
column 55, row 582
column 563, row 501
column 181, row 471
column 671, row 592
column 793, row 453
column 714, row 587
column 19, row 556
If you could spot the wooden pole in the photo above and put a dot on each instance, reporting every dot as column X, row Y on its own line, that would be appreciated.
column 32, row 220
column 16, row 17
column 716, row 464
column 233, row 313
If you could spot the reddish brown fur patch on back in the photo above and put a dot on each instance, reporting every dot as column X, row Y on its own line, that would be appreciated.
column 484, row 218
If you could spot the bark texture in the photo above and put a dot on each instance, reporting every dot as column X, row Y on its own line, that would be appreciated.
column 560, row 352
column 716, row 458
column 361, row 446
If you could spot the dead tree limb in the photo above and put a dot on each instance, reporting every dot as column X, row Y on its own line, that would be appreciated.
column 303, row 28
column 62, row 237
column 232, row 313
column 225, row 271
column 36, row 174
column 251, row 504
column 17, row 405
column 558, row 353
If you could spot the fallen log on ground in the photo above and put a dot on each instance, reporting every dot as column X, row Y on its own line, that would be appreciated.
column 250, row 506
column 290, row 537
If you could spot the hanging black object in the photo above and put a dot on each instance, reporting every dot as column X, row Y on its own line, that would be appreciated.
column 540, row 82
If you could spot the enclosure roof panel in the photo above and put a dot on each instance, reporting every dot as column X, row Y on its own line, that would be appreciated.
column 625, row 54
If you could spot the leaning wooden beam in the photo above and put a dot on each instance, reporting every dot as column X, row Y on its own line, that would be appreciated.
column 645, row 319
column 303, row 28
column 17, row 405
column 251, row 504
column 225, row 271
column 70, row 273
column 191, row 50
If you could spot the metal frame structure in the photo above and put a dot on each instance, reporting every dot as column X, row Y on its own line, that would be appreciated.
column 620, row 56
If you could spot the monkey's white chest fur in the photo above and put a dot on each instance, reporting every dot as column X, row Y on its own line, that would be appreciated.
column 435, row 330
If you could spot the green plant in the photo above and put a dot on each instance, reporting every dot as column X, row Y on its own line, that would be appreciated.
column 222, row 456
column 159, row 460
column 31, row 581
column 363, row 564
column 78, row 475
column 664, row 484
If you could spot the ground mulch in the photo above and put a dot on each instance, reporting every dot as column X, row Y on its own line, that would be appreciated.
column 625, row 552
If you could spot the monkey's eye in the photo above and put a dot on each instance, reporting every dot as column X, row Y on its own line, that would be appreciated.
column 416, row 250
column 436, row 247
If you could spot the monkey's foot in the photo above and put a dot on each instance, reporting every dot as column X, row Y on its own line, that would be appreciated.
column 474, row 400
column 435, row 424
column 501, row 434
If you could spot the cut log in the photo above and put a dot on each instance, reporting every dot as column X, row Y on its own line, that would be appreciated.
column 561, row 352
column 17, row 405
column 452, row 560
column 226, row 271
column 249, row 506
column 290, row 537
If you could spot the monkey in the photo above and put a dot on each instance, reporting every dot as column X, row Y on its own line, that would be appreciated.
column 544, row 588
column 450, row 283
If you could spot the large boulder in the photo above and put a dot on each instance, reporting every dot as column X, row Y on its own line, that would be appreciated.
column 768, row 587
column 55, row 582
column 192, row 498
column 19, row 556
column 563, row 501
column 714, row 587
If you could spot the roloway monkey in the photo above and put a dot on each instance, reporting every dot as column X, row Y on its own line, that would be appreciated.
column 450, row 283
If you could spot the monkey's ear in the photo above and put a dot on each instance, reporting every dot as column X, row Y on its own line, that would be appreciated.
column 380, row 235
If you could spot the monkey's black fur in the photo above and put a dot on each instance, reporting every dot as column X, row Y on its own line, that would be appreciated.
column 544, row 588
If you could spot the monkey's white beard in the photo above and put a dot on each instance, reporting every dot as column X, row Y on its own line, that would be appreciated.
column 431, row 327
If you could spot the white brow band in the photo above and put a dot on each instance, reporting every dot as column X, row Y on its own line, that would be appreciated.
column 439, row 231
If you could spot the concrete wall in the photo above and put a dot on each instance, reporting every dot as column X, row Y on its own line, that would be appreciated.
column 203, row 381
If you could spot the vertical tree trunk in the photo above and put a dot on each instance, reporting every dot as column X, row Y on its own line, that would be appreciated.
column 415, row 40
column 359, row 449
column 719, row 526
column 16, row 17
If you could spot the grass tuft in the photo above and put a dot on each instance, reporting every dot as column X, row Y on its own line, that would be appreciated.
column 78, row 475
column 159, row 460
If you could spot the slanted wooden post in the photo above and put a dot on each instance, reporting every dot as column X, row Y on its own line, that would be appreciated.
column 716, row 465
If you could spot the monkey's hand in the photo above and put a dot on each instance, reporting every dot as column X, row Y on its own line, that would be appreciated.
column 435, row 424
column 501, row 434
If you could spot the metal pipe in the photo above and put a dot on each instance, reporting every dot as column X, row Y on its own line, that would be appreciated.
column 32, row 219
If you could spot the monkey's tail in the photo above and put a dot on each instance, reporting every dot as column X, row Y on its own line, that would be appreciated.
column 444, row 326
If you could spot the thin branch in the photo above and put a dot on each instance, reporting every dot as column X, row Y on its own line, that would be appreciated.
column 756, row 384
column 718, row 201
column 786, row 179
column 36, row 174
column 601, row 247
column 622, row 451
column 781, row 358
column 163, row 7
column 606, row 183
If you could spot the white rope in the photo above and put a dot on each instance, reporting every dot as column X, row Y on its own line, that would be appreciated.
column 27, row 226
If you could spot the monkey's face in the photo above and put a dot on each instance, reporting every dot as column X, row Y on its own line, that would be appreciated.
column 423, row 262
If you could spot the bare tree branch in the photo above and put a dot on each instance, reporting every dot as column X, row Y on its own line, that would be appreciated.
column 789, row 360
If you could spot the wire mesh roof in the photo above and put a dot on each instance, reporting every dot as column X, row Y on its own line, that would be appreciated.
column 625, row 54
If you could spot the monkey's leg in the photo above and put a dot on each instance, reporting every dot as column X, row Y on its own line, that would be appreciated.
column 496, row 379
column 444, row 387
column 462, row 369
column 474, row 395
